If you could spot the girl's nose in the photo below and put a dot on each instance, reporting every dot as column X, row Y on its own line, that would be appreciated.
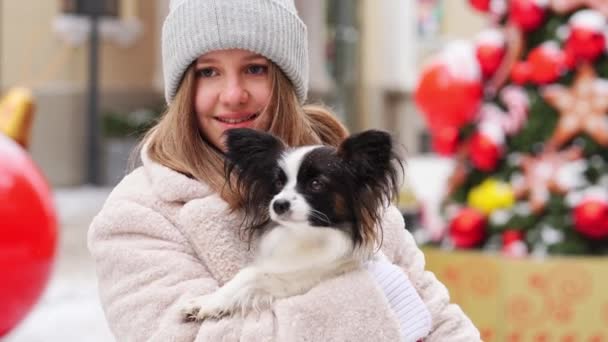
column 234, row 93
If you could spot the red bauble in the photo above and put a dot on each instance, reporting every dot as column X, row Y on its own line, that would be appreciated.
column 480, row 5
column 510, row 236
column 28, row 237
column 586, row 45
column 484, row 152
column 513, row 244
column 526, row 14
column 490, row 53
column 468, row 228
column 570, row 60
column 547, row 63
column 445, row 140
column 591, row 218
column 521, row 72
column 446, row 99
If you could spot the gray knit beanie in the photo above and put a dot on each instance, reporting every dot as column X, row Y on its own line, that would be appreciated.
column 271, row 28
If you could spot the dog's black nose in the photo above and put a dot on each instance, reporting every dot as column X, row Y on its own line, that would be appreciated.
column 280, row 206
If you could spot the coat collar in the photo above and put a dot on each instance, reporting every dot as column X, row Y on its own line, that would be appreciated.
column 204, row 218
column 172, row 186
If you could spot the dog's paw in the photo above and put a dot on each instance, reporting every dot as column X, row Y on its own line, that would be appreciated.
column 205, row 307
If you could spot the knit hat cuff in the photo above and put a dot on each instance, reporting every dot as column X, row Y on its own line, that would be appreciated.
column 266, row 27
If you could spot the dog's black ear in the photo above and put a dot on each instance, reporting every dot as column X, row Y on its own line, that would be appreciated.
column 252, row 161
column 373, row 168
column 368, row 154
column 250, row 150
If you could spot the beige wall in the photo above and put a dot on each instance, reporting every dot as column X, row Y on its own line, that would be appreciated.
column 33, row 55
column 460, row 20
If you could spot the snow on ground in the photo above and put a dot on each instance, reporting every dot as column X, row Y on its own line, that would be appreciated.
column 69, row 309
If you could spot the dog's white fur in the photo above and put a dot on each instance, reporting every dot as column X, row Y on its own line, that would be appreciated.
column 291, row 259
column 314, row 254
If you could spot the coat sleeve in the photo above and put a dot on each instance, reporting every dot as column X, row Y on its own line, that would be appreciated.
column 146, row 269
column 449, row 322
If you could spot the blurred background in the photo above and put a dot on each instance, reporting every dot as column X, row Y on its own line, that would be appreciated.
column 95, row 92
column 80, row 81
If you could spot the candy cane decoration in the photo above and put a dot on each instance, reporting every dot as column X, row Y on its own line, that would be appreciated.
column 512, row 121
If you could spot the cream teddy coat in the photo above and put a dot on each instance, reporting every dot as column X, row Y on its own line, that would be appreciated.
column 162, row 238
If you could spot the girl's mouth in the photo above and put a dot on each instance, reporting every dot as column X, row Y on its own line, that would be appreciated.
column 236, row 121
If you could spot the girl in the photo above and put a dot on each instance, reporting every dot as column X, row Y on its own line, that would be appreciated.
column 169, row 231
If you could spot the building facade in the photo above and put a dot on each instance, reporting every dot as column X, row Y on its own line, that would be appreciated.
column 364, row 56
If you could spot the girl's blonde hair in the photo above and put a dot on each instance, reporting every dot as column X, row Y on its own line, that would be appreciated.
column 176, row 141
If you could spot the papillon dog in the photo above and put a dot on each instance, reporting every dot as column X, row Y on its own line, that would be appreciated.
column 325, row 205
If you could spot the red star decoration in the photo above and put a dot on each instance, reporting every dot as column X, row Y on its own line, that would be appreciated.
column 540, row 176
column 582, row 108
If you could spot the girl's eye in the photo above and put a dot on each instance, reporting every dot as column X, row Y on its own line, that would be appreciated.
column 257, row 69
column 316, row 185
column 206, row 72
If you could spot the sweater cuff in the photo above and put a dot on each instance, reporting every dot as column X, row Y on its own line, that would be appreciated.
column 413, row 316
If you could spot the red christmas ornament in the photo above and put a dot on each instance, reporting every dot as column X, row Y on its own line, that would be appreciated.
column 521, row 72
column 570, row 60
column 468, row 228
column 480, row 5
column 450, row 89
column 547, row 63
column 484, row 152
column 490, row 51
column 527, row 14
column 513, row 244
column 28, row 236
column 586, row 45
column 445, row 140
column 591, row 218
column 511, row 235
column 586, row 41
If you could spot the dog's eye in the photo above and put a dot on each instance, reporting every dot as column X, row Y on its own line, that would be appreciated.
column 279, row 183
column 316, row 185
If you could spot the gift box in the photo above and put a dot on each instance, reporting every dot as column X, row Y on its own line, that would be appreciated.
column 526, row 299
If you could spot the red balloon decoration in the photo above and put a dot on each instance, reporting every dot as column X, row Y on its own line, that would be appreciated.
column 520, row 74
column 586, row 40
column 450, row 90
column 28, row 234
column 445, row 141
column 547, row 63
column 484, row 152
column 527, row 14
column 480, row 5
column 446, row 99
column 490, row 51
column 468, row 228
column 585, row 44
column 591, row 218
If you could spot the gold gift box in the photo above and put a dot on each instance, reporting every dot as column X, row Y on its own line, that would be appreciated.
column 554, row 299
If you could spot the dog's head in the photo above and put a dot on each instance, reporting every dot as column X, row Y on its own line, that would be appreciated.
column 317, row 186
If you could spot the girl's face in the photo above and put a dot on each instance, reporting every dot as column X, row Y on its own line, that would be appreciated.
column 232, row 90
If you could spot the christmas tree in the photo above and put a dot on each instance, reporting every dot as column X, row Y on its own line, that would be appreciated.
column 523, row 110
